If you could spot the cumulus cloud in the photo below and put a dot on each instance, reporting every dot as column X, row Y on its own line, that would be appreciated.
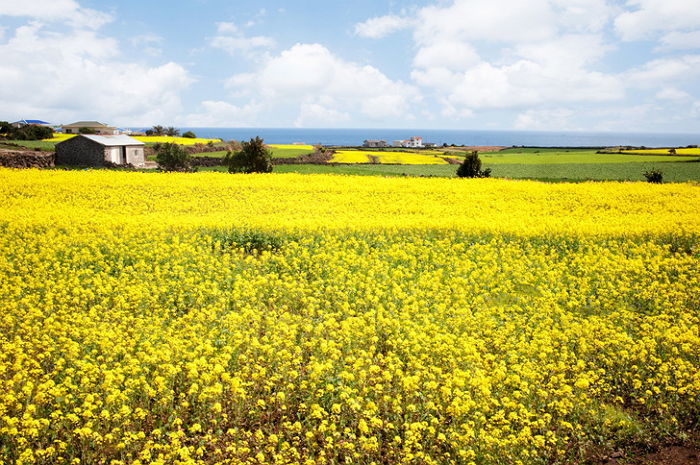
column 233, row 41
column 557, row 119
column 68, row 11
column 217, row 113
column 323, row 87
column 382, row 26
column 663, row 71
column 317, row 115
column 62, row 75
column 542, row 52
column 679, row 41
column 652, row 16
column 671, row 93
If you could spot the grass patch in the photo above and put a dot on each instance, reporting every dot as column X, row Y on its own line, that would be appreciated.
column 47, row 146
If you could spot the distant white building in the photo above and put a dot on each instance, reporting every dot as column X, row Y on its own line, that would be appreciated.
column 413, row 143
column 89, row 127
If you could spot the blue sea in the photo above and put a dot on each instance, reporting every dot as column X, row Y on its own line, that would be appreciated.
column 457, row 137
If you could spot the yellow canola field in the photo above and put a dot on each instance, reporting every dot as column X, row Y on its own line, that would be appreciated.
column 292, row 146
column 388, row 157
column 679, row 151
column 208, row 318
column 57, row 137
column 292, row 202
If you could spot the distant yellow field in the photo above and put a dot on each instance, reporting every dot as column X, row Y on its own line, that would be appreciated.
column 291, row 146
column 350, row 156
column 57, row 137
column 694, row 151
column 397, row 158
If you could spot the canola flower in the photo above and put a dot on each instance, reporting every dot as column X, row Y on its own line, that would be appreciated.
column 232, row 319
column 292, row 146
column 679, row 151
column 387, row 157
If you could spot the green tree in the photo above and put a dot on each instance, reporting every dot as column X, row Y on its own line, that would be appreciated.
column 173, row 157
column 172, row 132
column 190, row 135
column 5, row 127
column 28, row 132
column 158, row 130
column 654, row 176
column 254, row 157
column 471, row 167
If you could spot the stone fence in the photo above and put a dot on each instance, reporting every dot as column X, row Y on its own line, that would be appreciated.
column 27, row 159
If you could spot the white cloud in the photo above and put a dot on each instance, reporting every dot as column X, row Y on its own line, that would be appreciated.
column 216, row 113
column 540, row 52
column 479, row 20
column 450, row 55
column 147, row 43
column 382, row 26
column 558, row 119
column 232, row 40
column 680, row 41
column 653, row 16
column 68, row 11
column 671, row 93
column 663, row 71
column 78, row 74
column 324, row 87
column 317, row 115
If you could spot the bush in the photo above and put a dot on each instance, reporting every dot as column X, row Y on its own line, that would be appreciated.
column 253, row 157
column 25, row 132
column 172, row 157
column 190, row 135
column 654, row 176
column 87, row 131
column 471, row 167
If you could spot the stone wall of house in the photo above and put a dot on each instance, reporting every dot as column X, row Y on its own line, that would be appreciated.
column 80, row 151
column 26, row 159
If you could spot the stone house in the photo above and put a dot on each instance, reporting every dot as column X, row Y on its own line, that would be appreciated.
column 93, row 126
column 375, row 143
column 94, row 150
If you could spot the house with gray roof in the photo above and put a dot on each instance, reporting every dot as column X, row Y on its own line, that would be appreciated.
column 99, row 150
column 89, row 127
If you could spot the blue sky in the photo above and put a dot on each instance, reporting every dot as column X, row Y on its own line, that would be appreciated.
column 590, row 65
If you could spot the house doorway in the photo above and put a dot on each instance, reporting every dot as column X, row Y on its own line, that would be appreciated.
column 123, row 157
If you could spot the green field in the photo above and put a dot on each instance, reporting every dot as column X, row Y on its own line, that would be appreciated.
column 288, row 153
column 517, row 163
column 558, row 156
column 673, row 172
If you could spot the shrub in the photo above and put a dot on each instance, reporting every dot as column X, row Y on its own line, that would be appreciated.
column 254, row 157
column 654, row 176
column 471, row 167
column 190, row 135
column 87, row 131
column 172, row 157
column 25, row 132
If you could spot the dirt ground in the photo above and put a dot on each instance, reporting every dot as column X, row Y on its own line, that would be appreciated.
column 667, row 455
